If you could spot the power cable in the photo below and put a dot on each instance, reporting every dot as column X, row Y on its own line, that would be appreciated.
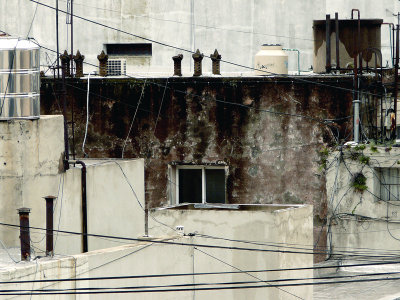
column 138, row 290
column 188, row 244
column 44, row 291
column 190, row 51
column 87, row 116
column 249, row 274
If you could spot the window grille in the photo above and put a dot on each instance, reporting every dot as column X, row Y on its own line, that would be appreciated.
column 116, row 67
column 389, row 183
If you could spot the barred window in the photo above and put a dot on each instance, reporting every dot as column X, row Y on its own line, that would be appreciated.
column 389, row 183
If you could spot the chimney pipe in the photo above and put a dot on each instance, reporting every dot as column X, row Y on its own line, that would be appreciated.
column 49, row 225
column 177, row 64
column 65, row 62
column 24, row 233
column 103, row 58
column 328, row 66
column 216, row 61
column 78, row 59
column 197, row 57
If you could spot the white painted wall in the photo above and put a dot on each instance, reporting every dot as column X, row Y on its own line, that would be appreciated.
column 237, row 28
column 350, row 231
column 31, row 153
column 290, row 224
column 270, row 223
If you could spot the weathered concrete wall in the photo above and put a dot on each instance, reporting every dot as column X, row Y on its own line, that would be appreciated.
column 31, row 153
column 145, row 258
column 361, row 219
column 283, row 225
column 236, row 28
column 271, row 158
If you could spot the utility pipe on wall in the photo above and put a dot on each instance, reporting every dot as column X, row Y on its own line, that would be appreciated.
column 49, row 225
column 24, row 234
column 298, row 57
column 84, row 204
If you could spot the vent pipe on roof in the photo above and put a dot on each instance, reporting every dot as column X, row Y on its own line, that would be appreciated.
column 197, row 57
column 216, row 62
column 103, row 58
column 24, row 234
column 49, row 225
column 177, row 64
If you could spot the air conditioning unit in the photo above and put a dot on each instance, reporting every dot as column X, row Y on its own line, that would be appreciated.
column 116, row 67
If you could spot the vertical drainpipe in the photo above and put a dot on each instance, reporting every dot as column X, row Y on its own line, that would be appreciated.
column 337, row 41
column 49, row 225
column 396, row 80
column 84, row 204
column 356, row 101
column 328, row 44
column 24, row 233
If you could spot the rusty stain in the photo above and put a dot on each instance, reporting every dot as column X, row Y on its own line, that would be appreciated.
column 271, row 158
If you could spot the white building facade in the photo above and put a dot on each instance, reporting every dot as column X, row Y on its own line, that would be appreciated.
column 236, row 28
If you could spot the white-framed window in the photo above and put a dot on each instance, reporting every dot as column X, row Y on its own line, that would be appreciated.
column 198, row 184
column 389, row 183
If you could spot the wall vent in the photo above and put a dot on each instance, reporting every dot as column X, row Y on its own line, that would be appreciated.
column 116, row 67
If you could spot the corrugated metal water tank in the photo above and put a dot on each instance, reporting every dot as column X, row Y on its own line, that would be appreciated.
column 19, row 79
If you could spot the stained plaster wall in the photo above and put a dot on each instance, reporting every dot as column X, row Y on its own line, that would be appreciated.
column 31, row 153
column 360, row 219
column 272, row 157
column 280, row 224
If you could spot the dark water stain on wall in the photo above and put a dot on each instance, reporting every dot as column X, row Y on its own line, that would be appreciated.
column 271, row 156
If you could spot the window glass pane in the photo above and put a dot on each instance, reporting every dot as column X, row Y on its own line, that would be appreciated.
column 215, row 185
column 190, row 185
column 390, row 184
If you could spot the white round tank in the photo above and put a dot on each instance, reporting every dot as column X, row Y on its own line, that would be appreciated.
column 271, row 60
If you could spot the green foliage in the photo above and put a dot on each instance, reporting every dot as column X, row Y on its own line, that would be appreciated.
column 364, row 159
column 359, row 182
column 374, row 149
column 359, row 147
column 354, row 155
column 387, row 149
column 323, row 155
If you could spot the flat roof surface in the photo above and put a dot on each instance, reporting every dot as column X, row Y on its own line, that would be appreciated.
column 236, row 207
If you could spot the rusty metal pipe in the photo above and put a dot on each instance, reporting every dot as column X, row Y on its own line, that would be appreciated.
column 337, row 41
column 396, row 79
column 84, row 204
column 328, row 65
column 357, row 45
column 146, row 222
column 49, row 225
column 24, row 234
column 66, row 146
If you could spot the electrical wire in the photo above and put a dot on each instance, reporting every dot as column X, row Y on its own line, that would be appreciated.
column 133, row 119
column 157, row 241
column 247, row 273
column 33, row 18
column 87, row 117
column 190, row 51
column 159, row 110
column 166, row 289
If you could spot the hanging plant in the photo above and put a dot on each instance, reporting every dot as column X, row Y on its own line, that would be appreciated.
column 359, row 182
